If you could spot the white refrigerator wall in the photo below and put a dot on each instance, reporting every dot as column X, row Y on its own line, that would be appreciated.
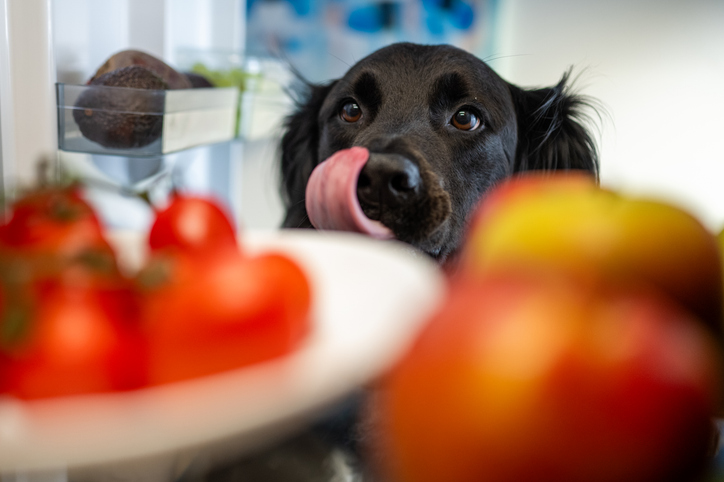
column 28, row 123
column 657, row 66
column 87, row 32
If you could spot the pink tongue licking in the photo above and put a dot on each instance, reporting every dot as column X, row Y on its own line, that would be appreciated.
column 331, row 195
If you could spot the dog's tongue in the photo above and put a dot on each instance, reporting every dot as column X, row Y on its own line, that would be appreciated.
column 331, row 195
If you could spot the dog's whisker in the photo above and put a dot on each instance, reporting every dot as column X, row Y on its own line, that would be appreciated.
column 341, row 59
column 493, row 57
column 304, row 221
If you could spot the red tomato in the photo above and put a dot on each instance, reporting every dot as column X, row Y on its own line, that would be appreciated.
column 77, row 341
column 68, row 321
column 191, row 223
column 4, row 362
column 538, row 379
column 56, row 220
column 206, row 314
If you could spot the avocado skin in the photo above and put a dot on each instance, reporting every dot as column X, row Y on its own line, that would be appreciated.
column 198, row 81
column 126, row 58
column 114, row 118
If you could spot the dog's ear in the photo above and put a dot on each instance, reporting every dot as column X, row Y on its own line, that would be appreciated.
column 299, row 146
column 551, row 131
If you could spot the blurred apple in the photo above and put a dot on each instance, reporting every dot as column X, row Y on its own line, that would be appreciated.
column 522, row 378
column 566, row 222
column 720, row 241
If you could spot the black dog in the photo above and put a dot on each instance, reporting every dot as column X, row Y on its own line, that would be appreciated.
column 441, row 128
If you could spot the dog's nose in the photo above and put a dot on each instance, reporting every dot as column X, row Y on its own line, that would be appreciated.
column 386, row 182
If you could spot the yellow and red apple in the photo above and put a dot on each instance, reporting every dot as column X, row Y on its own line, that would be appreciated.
column 565, row 222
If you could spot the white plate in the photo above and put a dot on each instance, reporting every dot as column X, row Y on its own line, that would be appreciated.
column 371, row 298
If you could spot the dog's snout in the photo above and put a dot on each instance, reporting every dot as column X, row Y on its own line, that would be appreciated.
column 387, row 181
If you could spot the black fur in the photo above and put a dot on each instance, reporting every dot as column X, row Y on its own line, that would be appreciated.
column 550, row 133
column 408, row 94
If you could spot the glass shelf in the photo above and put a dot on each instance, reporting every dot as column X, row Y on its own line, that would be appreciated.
column 141, row 122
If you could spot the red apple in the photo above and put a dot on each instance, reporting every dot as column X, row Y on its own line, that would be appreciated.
column 566, row 222
column 522, row 378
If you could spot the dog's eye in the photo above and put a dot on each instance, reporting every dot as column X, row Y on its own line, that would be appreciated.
column 465, row 120
column 350, row 112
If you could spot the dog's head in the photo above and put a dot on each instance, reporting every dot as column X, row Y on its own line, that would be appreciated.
column 438, row 127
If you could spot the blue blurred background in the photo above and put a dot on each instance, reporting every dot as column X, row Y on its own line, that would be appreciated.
column 323, row 38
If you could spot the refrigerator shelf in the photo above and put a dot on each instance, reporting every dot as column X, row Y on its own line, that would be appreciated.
column 141, row 122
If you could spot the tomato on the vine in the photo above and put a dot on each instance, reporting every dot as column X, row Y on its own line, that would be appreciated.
column 71, row 323
column 53, row 219
column 68, row 318
column 206, row 314
column 191, row 223
column 78, row 340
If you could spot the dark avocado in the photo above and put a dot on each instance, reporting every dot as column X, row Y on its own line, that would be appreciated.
column 122, row 118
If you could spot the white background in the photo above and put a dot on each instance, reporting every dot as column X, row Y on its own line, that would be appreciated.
column 658, row 68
